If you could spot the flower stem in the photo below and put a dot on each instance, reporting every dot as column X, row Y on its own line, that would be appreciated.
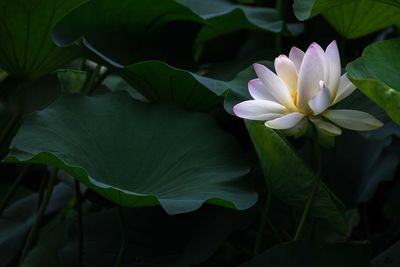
column 124, row 240
column 90, row 85
column 13, row 189
column 318, row 166
column 261, row 229
column 33, row 234
column 80, row 222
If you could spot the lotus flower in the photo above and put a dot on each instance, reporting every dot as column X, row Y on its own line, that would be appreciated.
column 303, row 89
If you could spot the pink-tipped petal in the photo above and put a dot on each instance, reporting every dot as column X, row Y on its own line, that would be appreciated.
column 274, row 85
column 262, row 110
column 333, row 68
column 286, row 70
column 321, row 101
column 285, row 122
column 311, row 72
column 352, row 119
column 257, row 90
column 346, row 87
column 296, row 56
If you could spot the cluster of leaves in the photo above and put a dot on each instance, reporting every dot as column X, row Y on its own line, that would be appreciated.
column 116, row 127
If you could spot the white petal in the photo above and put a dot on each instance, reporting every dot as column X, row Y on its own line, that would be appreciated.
column 274, row 85
column 296, row 56
column 311, row 72
column 333, row 65
column 321, row 101
column 346, row 87
column 286, row 70
column 327, row 127
column 257, row 90
column 262, row 110
column 352, row 119
column 285, row 122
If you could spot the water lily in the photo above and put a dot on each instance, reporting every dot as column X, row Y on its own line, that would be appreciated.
column 303, row 89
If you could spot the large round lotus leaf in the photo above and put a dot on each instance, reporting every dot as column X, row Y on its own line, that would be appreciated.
column 376, row 74
column 26, row 47
column 137, row 154
column 127, row 31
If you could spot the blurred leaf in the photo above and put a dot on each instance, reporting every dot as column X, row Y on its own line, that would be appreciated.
column 312, row 254
column 376, row 74
column 225, row 17
column 71, row 81
column 172, row 85
column 137, row 154
column 24, row 97
column 290, row 180
column 351, row 18
column 361, row 17
column 357, row 166
column 360, row 161
column 389, row 258
column 131, row 31
column 3, row 75
column 391, row 207
column 21, row 192
column 51, row 238
column 116, row 83
column 154, row 237
column 26, row 48
column 18, row 218
column 305, row 9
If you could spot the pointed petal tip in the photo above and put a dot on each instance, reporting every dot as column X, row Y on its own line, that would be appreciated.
column 257, row 65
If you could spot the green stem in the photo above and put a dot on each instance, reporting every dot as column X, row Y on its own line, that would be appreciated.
column 315, row 186
column 80, row 222
column 261, row 229
column 10, row 194
column 33, row 234
column 90, row 85
column 42, row 190
column 124, row 242
column 82, row 64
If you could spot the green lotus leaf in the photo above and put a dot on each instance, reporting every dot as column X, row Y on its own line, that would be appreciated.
column 137, row 154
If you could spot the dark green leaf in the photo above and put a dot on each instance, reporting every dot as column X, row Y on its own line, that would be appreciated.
column 376, row 74
column 26, row 47
column 52, row 237
column 160, row 82
column 305, row 9
column 351, row 18
column 225, row 17
column 361, row 17
column 311, row 254
column 131, row 31
column 137, row 154
column 154, row 237
column 18, row 218
column 291, row 180
column 389, row 258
